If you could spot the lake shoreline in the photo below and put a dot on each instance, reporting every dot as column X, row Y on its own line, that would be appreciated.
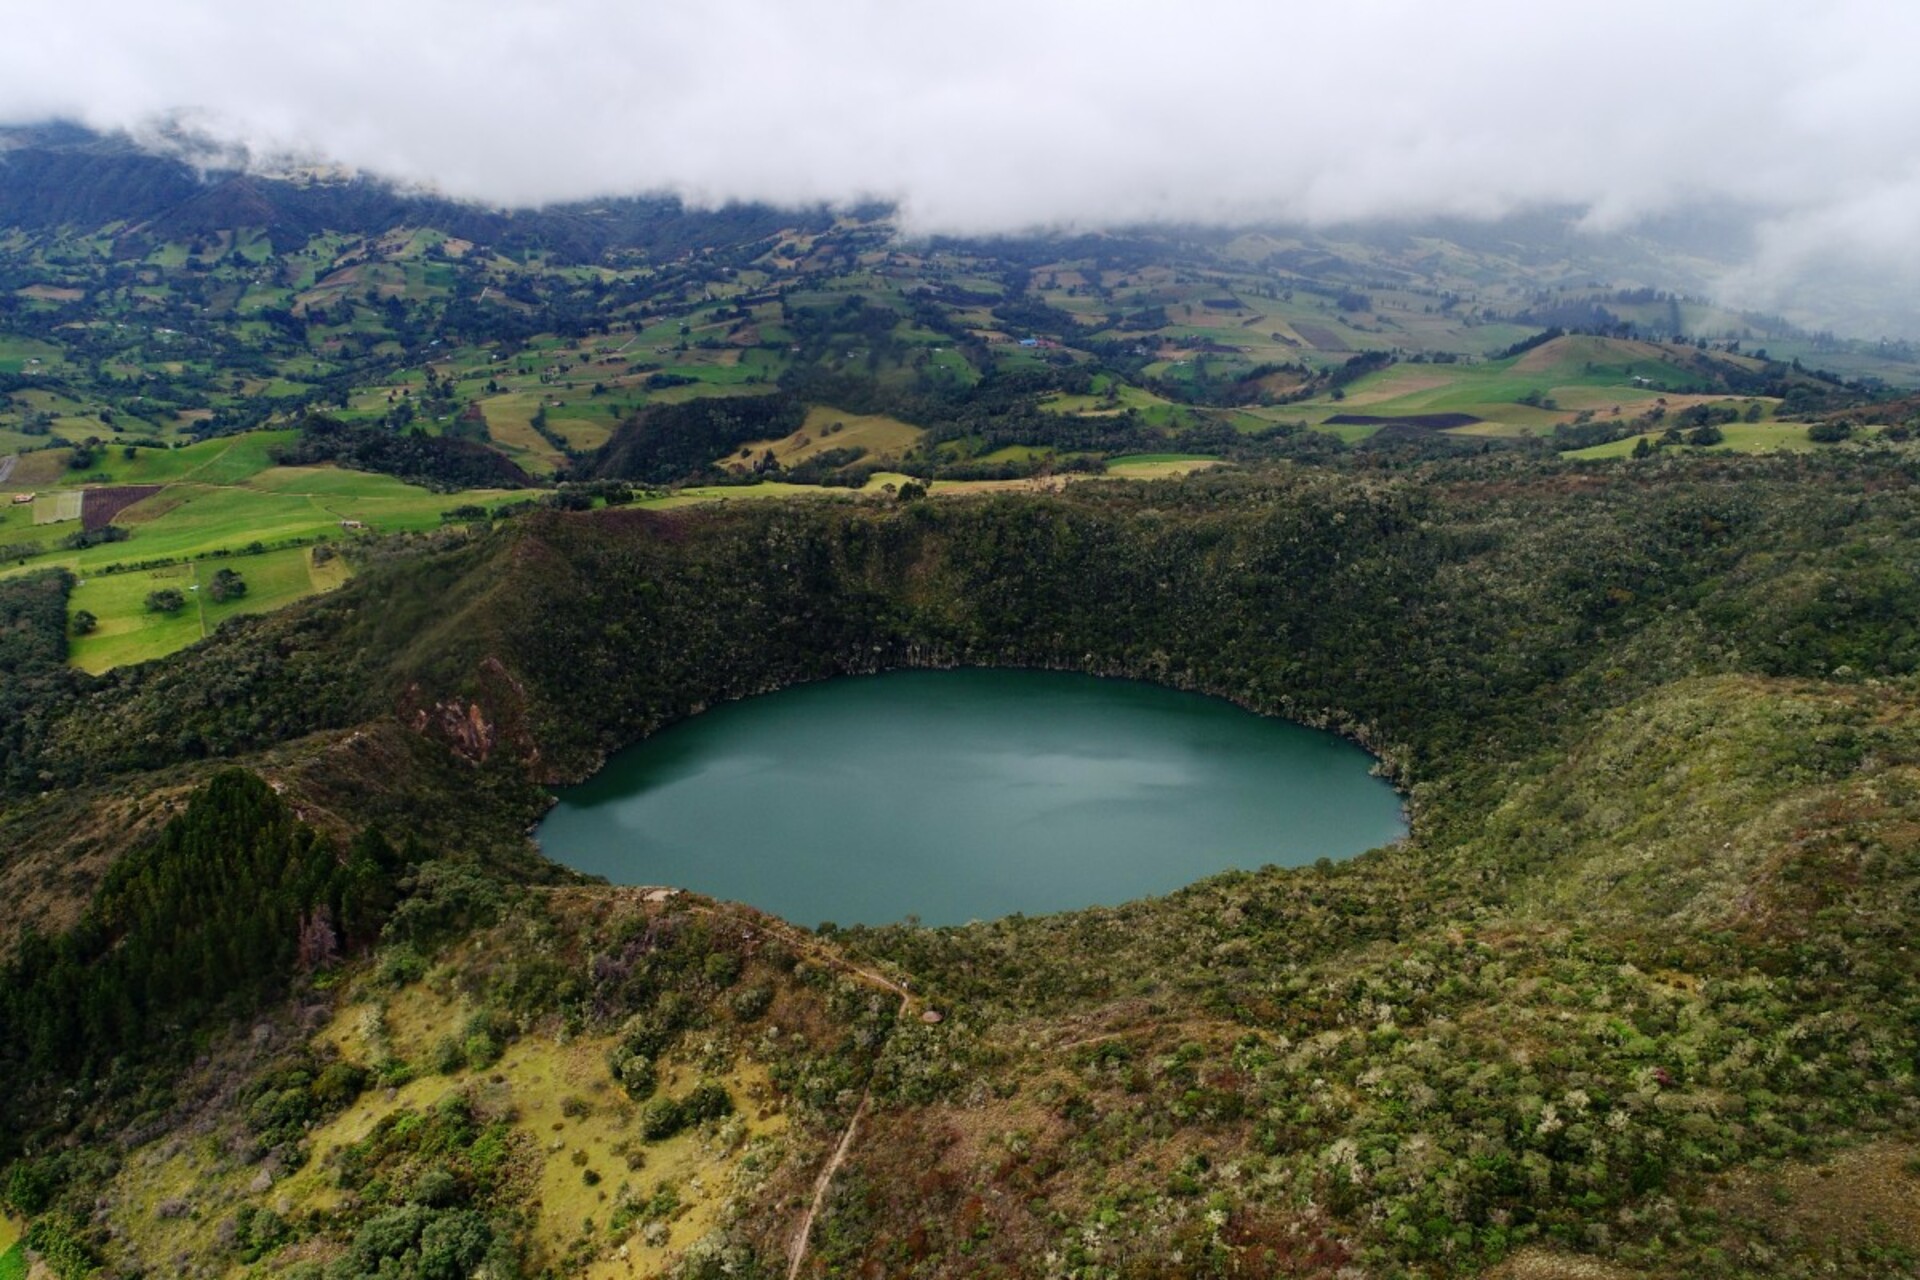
column 999, row 777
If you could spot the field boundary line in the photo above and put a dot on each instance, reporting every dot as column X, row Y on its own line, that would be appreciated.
column 199, row 596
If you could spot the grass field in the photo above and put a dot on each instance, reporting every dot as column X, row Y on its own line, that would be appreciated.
column 1157, row 466
column 1571, row 374
column 13, row 1254
column 219, row 504
column 128, row 632
column 1148, row 459
column 828, row 428
column 56, row 508
column 191, row 519
column 228, row 460
column 1098, row 404
column 1741, row 437
column 1017, row 453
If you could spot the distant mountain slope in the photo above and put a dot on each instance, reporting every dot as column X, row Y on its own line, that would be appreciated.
column 66, row 178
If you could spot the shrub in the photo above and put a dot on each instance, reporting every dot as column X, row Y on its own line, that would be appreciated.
column 227, row 585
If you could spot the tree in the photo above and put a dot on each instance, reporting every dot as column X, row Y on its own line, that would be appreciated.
column 227, row 585
column 84, row 622
column 165, row 600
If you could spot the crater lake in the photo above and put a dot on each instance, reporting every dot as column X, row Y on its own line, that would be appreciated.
column 968, row 794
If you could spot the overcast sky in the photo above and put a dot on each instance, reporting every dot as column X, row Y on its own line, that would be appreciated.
column 989, row 115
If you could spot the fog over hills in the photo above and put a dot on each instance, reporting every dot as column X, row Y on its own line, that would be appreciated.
column 1791, row 135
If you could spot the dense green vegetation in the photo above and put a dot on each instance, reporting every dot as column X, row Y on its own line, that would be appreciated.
column 673, row 442
column 1635, row 999
column 441, row 462
column 1657, row 723
column 33, row 656
column 233, row 896
column 197, row 366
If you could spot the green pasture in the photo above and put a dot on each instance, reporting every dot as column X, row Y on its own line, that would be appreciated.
column 1017, row 453
column 1164, row 469
column 1575, row 374
column 748, row 492
column 1124, row 397
column 191, row 518
column 17, row 352
column 1741, row 437
column 1157, row 459
column 226, row 460
column 127, row 631
column 828, row 428
column 700, row 391
column 951, row 364
column 1290, row 414
column 16, row 520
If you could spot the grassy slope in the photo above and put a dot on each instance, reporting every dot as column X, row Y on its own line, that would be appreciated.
column 1740, row 437
column 216, row 498
column 882, row 437
column 129, row 632
column 1575, row 372
column 1091, row 1058
column 601, row 1200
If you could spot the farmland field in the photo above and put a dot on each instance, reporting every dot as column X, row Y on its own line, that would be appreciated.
column 1741, row 437
column 1158, row 466
column 828, row 428
column 189, row 512
column 129, row 632
column 192, row 518
column 56, row 508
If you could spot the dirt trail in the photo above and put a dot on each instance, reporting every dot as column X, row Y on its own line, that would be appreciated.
column 803, row 1234
column 797, row 1247
column 7, row 465
column 797, row 1251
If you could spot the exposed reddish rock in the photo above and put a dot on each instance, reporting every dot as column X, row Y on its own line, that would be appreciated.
column 474, row 728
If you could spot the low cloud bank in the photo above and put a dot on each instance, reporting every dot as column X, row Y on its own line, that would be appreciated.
column 990, row 116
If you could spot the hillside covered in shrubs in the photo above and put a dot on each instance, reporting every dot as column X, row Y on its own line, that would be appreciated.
column 1634, row 995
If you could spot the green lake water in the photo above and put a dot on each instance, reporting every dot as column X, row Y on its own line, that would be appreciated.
column 967, row 795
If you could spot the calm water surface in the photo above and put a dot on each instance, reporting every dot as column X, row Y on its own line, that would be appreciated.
column 963, row 795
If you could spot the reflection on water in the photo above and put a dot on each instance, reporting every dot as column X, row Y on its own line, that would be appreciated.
column 957, row 795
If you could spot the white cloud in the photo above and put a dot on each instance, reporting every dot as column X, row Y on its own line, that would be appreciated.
column 992, row 115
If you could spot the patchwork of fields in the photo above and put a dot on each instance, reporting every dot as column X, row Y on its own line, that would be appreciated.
column 188, row 513
column 134, row 465
column 128, row 631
